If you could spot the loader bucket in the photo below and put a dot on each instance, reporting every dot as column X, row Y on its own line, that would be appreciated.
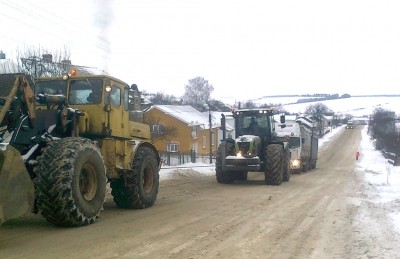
column 16, row 187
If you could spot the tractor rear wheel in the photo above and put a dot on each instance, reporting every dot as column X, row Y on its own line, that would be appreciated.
column 274, row 167
column 224, row 176
column 70, row 182
column 138, row 188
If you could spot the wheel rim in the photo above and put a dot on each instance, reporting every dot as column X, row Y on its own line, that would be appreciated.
column 147, row 180
column 88, row 182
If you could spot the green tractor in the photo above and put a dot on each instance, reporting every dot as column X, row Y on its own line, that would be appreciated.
column 256, row 148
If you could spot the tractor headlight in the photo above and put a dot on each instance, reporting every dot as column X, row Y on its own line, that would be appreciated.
column 239, row 154
column 296, row 163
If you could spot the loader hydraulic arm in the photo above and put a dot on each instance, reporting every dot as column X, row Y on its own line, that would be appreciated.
column 20, row 100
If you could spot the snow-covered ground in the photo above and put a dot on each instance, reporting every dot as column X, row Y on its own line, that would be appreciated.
column 378, row 172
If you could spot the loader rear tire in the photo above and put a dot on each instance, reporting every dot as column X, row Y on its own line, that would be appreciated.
column 274, row 165
column 71, row 182
column 225, row 177
column 138, row 189
column 286, row 165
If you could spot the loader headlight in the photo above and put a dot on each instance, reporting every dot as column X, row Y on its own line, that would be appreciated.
column 108, row 88
column 239, row 154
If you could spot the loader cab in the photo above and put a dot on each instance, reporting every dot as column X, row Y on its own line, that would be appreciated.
column 104, row 101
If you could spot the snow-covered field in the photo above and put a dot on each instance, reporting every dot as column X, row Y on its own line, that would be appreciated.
column 356, row 106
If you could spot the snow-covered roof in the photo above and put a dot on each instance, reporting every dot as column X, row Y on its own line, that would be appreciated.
column 307, row 122
column 186, row 114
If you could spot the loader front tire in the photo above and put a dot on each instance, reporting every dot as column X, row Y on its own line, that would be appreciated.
column 138, row 188
column 71, row 182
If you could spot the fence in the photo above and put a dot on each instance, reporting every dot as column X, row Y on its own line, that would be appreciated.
column 179, row 158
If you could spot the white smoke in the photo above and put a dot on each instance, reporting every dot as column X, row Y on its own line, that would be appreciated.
column 102, row 20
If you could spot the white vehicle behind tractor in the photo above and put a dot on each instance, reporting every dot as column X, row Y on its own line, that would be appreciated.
column 303, row 145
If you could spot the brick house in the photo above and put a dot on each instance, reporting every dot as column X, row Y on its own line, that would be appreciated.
column 191, row 130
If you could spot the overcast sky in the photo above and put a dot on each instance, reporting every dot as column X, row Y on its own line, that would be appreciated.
column 245, row 49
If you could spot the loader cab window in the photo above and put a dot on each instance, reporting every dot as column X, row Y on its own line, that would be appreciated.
column 85, row 91
column 51, row 87
column 114, row 97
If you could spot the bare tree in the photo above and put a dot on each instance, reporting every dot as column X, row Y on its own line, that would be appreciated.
column 382, row 123
column 317, row 111
column 197, row 92
column 163, row 99
column 40, row 62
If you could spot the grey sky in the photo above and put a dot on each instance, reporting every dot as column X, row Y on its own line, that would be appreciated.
column 245, row 49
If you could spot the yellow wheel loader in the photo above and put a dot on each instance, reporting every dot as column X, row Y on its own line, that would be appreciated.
column 64, row 139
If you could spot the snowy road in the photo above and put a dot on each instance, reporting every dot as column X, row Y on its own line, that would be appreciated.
column 330, row 212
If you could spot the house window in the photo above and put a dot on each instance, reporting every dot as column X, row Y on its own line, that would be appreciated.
column 204, row 141
column 157, row 129
column 195, row 130
column 212, row 138
column 172, row 147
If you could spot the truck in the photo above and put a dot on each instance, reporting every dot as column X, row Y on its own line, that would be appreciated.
column 255, row 148
column 309, row 150
column 303, row 144
column 64, row 139
column 290, row 132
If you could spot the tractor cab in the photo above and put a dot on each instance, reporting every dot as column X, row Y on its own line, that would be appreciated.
column 255, row 122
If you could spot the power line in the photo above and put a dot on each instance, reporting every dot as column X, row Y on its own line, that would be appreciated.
column 43, row 16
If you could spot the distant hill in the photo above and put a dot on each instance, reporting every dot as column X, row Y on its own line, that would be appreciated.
column 355, row 105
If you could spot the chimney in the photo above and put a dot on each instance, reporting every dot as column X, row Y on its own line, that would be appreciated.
column 47, row 58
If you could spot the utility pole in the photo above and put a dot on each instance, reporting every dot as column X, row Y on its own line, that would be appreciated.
column 210, row 123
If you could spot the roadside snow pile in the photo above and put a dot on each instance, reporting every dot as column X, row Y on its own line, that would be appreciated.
column 189, row 169
column 328, row 136
column 382, row 175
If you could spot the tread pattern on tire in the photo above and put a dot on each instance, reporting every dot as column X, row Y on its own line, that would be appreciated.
column 273, row 168
column 286, row 165
column 226, row 177
column 56, row 191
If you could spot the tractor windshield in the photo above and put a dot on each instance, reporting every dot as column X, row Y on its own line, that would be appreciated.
column 252, row 123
